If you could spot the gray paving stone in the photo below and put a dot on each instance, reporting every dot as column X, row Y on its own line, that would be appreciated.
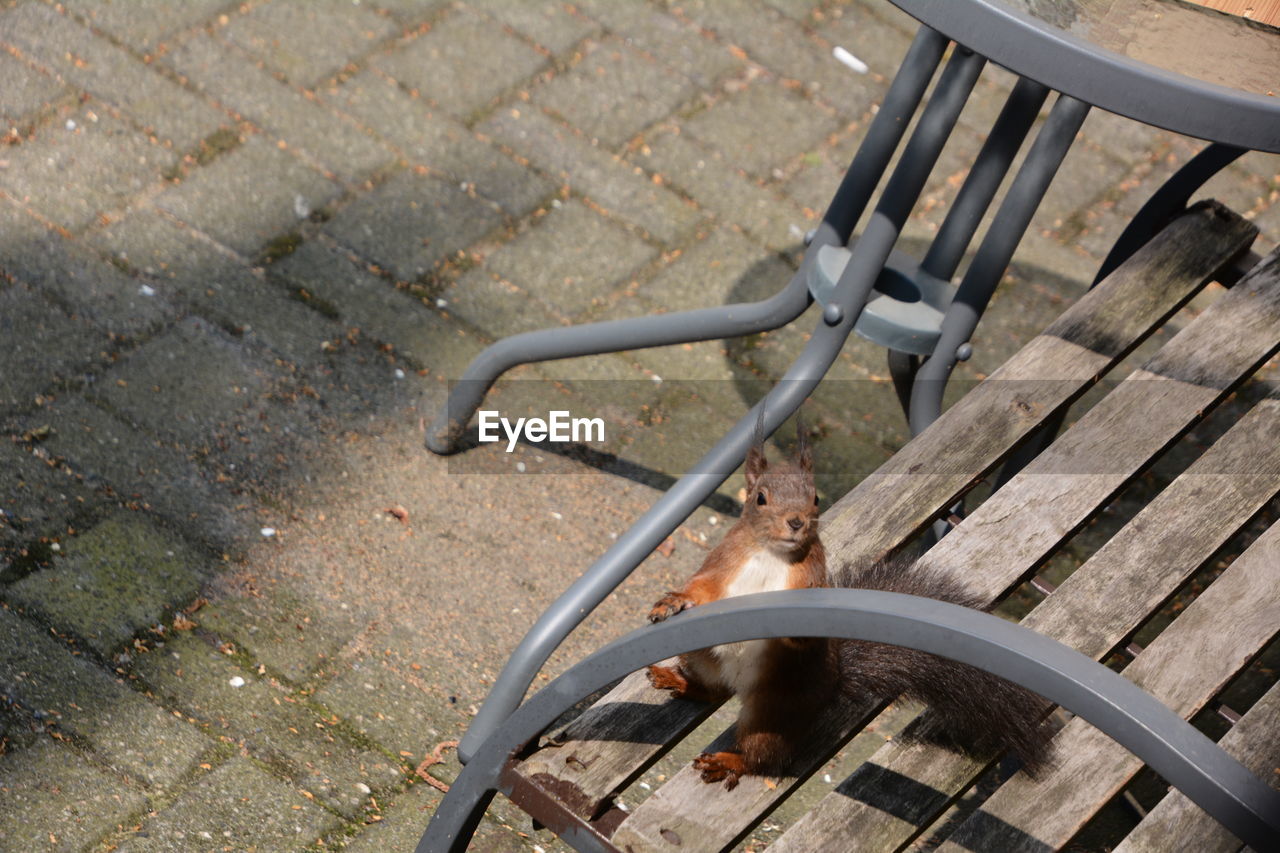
column 410, row 12
column 282, row 624
column 112, row 580
column 249, row 196
column 52, row 799
column 83, row 161
column 762, row 127
column 462, row 63
column 110, row 73
column 548, row 23
column 76, row 277
column 377, row 307
column 184, row 384
column 497, row 308
column 45, row 348
column 720, row 268
column 322, row 36
column 412, row 222
column 276, row 727
column 26, row 91
column 596, row 173
column 282, row 111
column 677, row 44
column 783, row 46
column 382, row 704
column 183, row 267
column 39, row 502
column 571, row 258
column 429, row 137
column 714, row 183
column 122, row 728
column 143, row 23
column 1085, row 176
column 236, row 806
column 110, row 453
column 614, row 92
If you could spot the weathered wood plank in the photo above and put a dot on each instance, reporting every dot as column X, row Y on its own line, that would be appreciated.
column 980, row 430
column 1184, row 667
column 611, row 743
column 1055, row 368
column 1177, row 823
column 1094, row 459
column 905, row 785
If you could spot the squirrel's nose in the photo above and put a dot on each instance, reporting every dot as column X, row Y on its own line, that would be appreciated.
column 795, row 522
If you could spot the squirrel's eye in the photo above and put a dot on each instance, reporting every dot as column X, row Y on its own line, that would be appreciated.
column 760, row 499
column 815, row 500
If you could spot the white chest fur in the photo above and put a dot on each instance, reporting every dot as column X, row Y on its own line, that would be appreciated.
column 740, row 662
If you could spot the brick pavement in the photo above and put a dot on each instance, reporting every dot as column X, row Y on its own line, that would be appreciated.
column 244, row 246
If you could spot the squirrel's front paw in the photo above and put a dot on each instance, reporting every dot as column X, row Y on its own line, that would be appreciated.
column 669, row 605
column 718, row 766
column 667, row 678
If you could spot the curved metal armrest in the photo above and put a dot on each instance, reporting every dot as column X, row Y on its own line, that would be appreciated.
column 1186, row 758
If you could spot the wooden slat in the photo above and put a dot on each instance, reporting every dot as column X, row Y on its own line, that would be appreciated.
column 906, row 785
column 1093, row 460
column 1184, row 667
column 611, row 743
column 974, row 435
column 1070, row 355
column 1177, row 823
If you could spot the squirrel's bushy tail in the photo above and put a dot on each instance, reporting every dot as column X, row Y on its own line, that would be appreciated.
column 972, row 710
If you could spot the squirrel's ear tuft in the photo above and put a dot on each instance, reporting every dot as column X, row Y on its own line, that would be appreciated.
column 756, row 461
column 804, row 452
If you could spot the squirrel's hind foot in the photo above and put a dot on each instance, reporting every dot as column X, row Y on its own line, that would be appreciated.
column 720, row 766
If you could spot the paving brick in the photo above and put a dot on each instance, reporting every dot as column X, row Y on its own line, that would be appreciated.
column 81, row 162
column 183, row 267
column 762, row 127
column 282, row 624
column 720, row 268
column 429, row 137
column 1085, row 176
column 497, row 308
column 412, row 222
column 571, row 258
column 76, row 277
column 110, row 73
column 278, row 728
column 185, row 381
column 143, row 23
column 614, row 92
column 112, row 580
column 237, row 806
column 26, row 92
column 39, row 501
column 546, row 22
column 410, row 12
column 108, row 452
column 382, row 704
column 783, row 46
column 715, row 184
column 121, row 728
column 52, row 799
column 45, row 348
column 249, row 196
column 322, row 37
column 596, row 173
column 677, row 44
column 377, row 307
column 282, row 111
column 463, row 63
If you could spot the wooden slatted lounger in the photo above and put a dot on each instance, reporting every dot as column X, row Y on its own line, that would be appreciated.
column 573, row 778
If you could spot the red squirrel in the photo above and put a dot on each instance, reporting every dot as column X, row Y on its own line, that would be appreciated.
column 784, row 684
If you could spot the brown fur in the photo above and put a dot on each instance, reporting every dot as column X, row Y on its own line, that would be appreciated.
column 793, row 681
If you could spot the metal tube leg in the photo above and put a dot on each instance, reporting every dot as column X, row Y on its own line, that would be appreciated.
column 1170, row 199
column 614, row 336
column 980, row 280
column 902, row 368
